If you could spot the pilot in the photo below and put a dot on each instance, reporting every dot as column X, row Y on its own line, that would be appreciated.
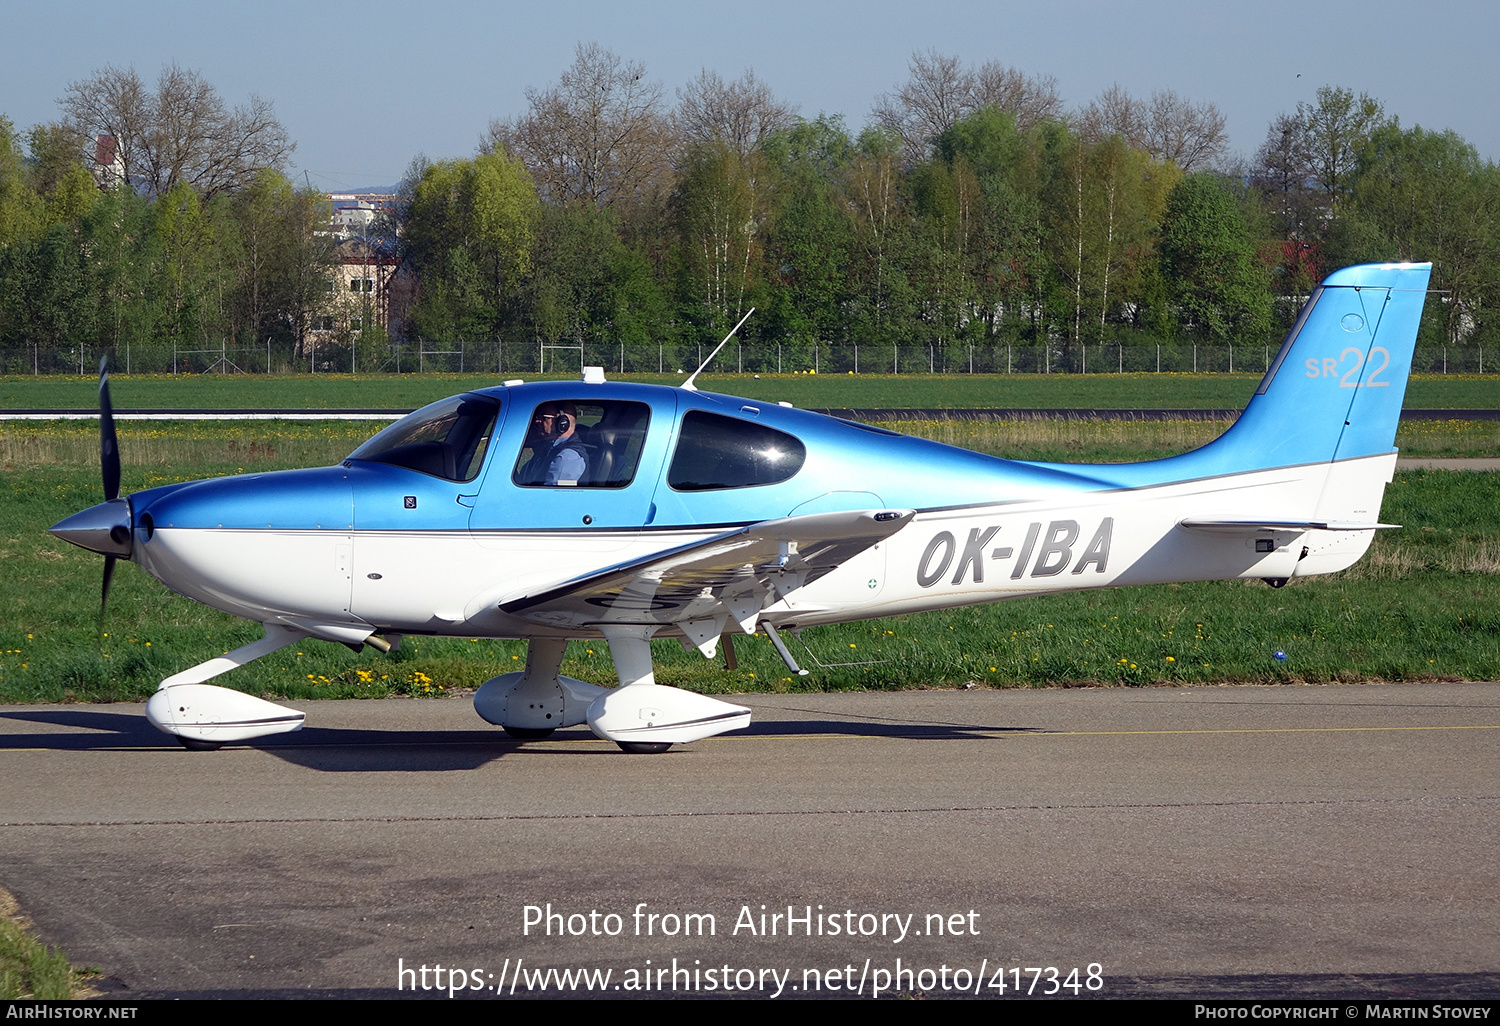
column 557, row 455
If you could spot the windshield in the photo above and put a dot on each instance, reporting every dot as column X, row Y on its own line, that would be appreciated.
column 447, row 439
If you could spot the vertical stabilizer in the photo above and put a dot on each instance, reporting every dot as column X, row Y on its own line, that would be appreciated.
column 1336, row 387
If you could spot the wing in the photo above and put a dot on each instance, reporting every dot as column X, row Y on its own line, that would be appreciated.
column 701, row 587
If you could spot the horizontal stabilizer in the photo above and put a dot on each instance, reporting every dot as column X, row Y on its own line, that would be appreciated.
column 1202, row 523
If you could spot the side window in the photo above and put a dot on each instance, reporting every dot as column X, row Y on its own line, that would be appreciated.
column 722, row 452
column 447, row 439
column 582, row 444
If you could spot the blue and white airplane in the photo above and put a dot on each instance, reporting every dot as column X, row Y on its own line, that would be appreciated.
column 562, row 510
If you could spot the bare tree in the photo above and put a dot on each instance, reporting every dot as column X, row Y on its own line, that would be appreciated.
column 1033, row 100
column 1114, row 112
column 183, row 132
column 1169, row 127
column 598, row 136
column 942, row 90
column 1190, row 135
column 939, row 92
column 739, row 114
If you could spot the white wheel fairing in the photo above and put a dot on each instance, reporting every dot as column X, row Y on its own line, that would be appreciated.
column 655, row 713
column 207, row 712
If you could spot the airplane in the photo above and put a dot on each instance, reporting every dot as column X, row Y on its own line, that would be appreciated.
column 591, row 509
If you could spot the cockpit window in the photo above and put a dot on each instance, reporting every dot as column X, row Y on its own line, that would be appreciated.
column 582, row 444
column 722, row 452
column 447, row 439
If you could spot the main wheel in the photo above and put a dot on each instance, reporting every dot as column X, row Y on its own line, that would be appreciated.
column 644, row 747
column 192, row 744
column 529, row 733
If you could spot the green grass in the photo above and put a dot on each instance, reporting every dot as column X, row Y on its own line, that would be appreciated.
column 29, row 970
column 954, row 391
column 1423, row 604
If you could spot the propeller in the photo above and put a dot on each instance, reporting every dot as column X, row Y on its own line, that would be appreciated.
column 108, row 527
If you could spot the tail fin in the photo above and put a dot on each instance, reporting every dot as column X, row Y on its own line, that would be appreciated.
column 1335, row 389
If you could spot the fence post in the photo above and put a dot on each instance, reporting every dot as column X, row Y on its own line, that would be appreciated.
column 1445, row 359
column 1007, row 358
column 1231, row 357
column 1195, row 358
column 856, row 357
column 778, row 358
column 1085, row 348
column 1158, row 357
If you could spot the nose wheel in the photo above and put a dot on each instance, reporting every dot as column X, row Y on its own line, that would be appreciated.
column 529, row 733
column 643, row 747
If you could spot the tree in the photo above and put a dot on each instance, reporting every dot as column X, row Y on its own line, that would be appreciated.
column 941, row 91
column 738, row 114
column 471, row 228
column 715, row 205
column 1429, row 196
column 1169, row 127
column 1209, row 260
column 598, row 136
column 283, row 261
column 1030, row 100
column 20, row 207
column 183, row 133
column 1333, row 132
column 55, row 150
column 1282, row 170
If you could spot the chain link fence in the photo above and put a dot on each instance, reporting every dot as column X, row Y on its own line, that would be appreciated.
column 511, row 358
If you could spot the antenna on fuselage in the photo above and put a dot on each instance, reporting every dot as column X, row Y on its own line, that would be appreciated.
column 688, row 384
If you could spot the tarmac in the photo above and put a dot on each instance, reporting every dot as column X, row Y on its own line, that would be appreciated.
column 1206, row 842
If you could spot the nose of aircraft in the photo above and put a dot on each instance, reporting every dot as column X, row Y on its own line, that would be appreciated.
column 105, row 528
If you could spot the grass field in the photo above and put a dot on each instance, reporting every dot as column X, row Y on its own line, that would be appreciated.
column 1423, row 604
column 954, row 391
column 29, row 970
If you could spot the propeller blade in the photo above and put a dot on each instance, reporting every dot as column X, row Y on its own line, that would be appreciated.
column 109, row 572
column 109, row 449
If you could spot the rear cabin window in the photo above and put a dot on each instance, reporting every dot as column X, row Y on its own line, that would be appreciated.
column 582, row 444
column 447, row 439
column 721, row 452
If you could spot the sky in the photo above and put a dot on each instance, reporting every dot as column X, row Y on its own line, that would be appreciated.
column 364, row 87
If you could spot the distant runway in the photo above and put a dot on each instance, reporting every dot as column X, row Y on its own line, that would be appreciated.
column 1338, row 841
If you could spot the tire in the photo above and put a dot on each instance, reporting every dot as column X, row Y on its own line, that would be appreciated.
column 644, row 747
column 529, row 733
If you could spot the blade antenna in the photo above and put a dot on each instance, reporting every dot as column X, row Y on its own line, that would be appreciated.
column 688, row 384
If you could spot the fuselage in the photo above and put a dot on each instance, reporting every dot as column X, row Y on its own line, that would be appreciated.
column 408, row 537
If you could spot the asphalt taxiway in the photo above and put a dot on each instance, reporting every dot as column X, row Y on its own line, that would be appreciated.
column 1204, row 842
